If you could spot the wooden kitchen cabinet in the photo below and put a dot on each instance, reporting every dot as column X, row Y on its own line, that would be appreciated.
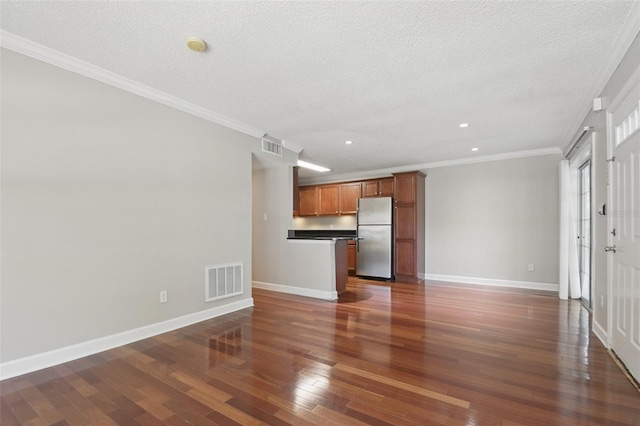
column 351, row 257
column 385, row 187
column 308, row 199
column 328, row 200
column 378, row 188
column 409, row 225
column 370, row 188
column 348, row 197
column 406, row 188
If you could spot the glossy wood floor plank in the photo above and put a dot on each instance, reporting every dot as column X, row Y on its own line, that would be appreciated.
column 383, row 354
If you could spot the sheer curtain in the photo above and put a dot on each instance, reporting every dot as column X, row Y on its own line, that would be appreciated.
column 569, row 280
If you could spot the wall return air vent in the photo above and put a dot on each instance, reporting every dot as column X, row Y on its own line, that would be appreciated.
column 223, row 281
column 271, row 145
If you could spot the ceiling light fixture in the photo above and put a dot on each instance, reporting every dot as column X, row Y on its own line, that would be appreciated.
column 196, row 44
column 348, row 142
column 463, row 125
column 474, row 149
column 312, row 166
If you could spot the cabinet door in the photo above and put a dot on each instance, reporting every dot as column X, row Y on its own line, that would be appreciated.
column 351, row 257
column 328, row 200
column 349, row 194
column 385, row 187
column 405, row 222
column 370, row 188
column 405, row 186
column 308, row 201
column 406, row 257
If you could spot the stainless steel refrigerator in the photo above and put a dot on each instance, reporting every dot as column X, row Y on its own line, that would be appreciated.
column 374, row 252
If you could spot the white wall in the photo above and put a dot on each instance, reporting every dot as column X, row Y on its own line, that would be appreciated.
column 491, row 220
column 107, row 199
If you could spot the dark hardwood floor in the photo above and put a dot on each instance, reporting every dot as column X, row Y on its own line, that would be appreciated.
column 383, row 354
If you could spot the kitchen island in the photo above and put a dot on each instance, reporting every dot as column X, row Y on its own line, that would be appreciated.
column 339, row 240
column 317, row 264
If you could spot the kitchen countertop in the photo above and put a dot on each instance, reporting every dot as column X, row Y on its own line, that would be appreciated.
column 320, row 234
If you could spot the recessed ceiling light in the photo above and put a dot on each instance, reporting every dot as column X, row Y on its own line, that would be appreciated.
column 463, row 125
column 312, row 166
column 474, row 149
column 196, row 44
column 348, row 142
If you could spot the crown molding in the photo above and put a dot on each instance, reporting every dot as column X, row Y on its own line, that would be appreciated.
column 292, row 146
column 626, row 35
column 69, row 63
column 371, row 174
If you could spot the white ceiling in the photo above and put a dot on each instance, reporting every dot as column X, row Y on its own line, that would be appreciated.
column 397, row 78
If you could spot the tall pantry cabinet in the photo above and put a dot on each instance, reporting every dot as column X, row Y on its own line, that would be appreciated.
column 409, row 225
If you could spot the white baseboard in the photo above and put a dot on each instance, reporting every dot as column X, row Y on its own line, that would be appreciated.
column 59, row 356
column 490, row 281
column 601, row 334
column 299, row 291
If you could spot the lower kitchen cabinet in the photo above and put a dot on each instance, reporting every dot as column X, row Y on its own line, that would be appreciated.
column 405, row 258
column 351, row 257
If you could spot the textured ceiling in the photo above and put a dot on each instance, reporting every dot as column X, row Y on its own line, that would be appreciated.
column 395, row 77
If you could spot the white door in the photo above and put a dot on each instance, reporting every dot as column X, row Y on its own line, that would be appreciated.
column 624, row 217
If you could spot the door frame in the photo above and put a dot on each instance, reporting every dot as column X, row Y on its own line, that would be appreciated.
column 584, row 163
column 631, row 82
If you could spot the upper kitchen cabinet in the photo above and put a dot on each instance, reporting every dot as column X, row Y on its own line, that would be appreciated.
column 348, row 197
column 328, row 200
column 406, row 184
column 378, row 188
column 308, row 199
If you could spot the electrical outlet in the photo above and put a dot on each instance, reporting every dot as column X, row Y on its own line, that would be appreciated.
column 264, row 217
column 163, row 296
column 602, row 300
column 531, row 267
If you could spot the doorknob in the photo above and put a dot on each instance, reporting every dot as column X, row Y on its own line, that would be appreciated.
column 610, row 248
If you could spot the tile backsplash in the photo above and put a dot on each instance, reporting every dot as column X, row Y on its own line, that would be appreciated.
column 325, row 222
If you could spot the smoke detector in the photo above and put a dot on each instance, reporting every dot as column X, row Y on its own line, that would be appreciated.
column 196, row 44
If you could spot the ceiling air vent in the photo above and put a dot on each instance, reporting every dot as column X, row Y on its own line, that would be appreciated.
column 271, row 145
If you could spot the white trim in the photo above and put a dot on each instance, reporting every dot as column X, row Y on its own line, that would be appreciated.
column 491, row 281
column 424, row 166
column 53, row 57
column 299, row 291
column 628, row 86
column 621, row 45
column 292, row 146
column 59, row 356
column 601, row 334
